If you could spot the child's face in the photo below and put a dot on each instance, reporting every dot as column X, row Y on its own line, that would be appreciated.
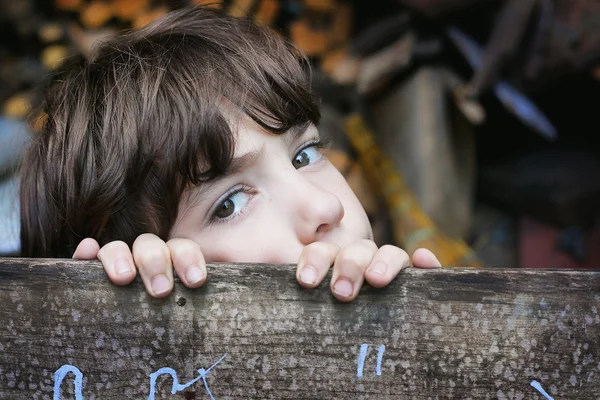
column 284, row 196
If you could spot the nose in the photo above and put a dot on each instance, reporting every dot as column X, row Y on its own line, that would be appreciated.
column 316, row 211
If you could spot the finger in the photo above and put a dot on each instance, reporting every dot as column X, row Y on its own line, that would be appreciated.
column 87, row 249
column 188, row 261
column 153, row 259
column 423, row 258
column 315, row 260
column 349, row 269
column 387, row 262
column 118, row 262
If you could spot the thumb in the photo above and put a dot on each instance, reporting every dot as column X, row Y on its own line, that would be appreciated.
column 423, row 258
column 87, row 250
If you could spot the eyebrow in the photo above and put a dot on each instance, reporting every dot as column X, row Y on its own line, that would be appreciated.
column 296, row 131
column 238, row 164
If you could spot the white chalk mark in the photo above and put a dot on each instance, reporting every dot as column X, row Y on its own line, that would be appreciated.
column 361, row 359
column 380, row 358
column 539, row 388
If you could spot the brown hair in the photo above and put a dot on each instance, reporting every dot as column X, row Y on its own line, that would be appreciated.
column 145, row 117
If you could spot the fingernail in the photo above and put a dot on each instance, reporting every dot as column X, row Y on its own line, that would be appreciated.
column 343, row 288
column 160, row 284
column 122, row 266
column 379, row 268
column 308, row 275
column 194, row 274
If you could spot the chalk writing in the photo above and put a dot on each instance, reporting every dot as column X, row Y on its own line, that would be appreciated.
column 62, row 372
column 177, row 387
column 539, row 388
column 361, row 359
column 380, row 358
column 363, row 354
column 59, row 376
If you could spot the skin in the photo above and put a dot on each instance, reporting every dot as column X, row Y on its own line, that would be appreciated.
column 293, row 207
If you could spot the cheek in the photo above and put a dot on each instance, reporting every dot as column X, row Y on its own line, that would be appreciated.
column 258, row 239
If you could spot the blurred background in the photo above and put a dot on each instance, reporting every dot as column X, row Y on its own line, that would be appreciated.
column 470, row 127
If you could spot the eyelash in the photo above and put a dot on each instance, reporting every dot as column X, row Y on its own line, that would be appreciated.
column 318, row 143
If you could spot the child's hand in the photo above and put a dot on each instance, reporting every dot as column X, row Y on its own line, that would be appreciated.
column 156, row 259
column 153, row 257
column 355, row 263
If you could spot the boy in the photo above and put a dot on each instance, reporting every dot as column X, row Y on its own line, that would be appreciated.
column 194, row 140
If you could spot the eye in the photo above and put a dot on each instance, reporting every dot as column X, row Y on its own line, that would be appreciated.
column 306, row 156
column 232, row 205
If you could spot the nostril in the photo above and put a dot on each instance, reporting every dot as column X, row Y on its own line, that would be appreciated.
column 323, row 228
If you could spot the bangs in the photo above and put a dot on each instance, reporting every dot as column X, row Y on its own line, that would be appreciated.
column 211, row 83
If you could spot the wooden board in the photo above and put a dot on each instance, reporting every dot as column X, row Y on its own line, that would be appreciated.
column 251, row 332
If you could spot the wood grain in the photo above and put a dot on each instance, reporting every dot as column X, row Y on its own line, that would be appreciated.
column 452, row 333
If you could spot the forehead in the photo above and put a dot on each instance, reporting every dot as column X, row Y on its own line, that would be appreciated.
column 249, row 136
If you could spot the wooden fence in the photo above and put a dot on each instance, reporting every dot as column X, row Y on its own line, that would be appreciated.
column 66, row 332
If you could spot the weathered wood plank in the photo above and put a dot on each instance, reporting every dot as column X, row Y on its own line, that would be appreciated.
column 460, row 333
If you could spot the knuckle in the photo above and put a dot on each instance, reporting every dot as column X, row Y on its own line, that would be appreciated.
column 179, row 246
column 368, row 245
column 147, row 241
column 155, row 255
column 393, row 251
column 117, row 247
column 390, row 248
column 184, row 251
column 146, row 236
column 349, row 258
column 318, row 250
